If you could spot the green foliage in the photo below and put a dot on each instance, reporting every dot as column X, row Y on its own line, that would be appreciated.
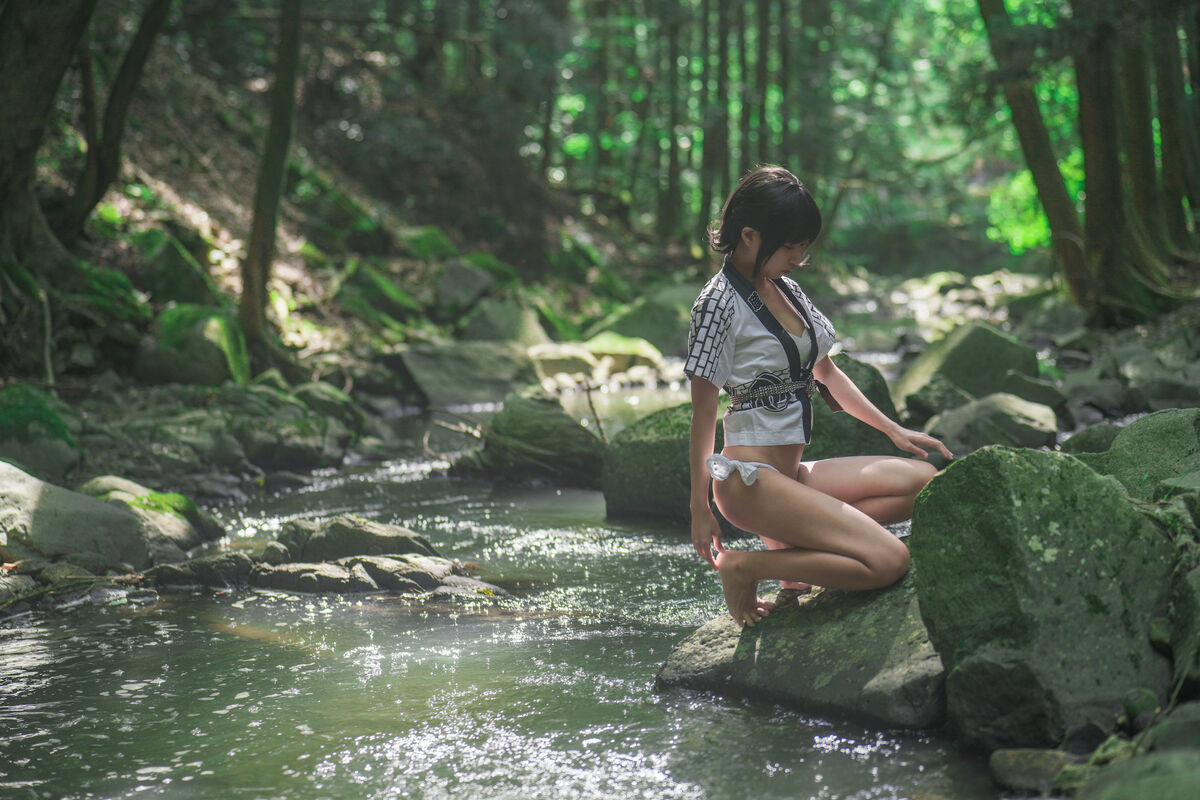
column 1015, row 213
column 109, row 295
column 23, row 406
column 505, row 274
column 430, row 243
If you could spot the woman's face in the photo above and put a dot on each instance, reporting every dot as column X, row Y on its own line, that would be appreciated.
column 785, row 259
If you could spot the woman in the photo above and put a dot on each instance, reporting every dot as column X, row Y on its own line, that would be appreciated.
column 758, row 336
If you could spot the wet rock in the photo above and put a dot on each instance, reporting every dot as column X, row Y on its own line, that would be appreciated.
column 403, row 574
column 1185, row 626
column 1028, row 770
column 976, row 357
column 61, row 572
column 1139, row 707
column 461, row 373
column 329, row 401
column 218, row 571
column 533, row 437
column 40, row 519
column 38, row 432
column 349, row 535
column 462, row 588
column 12, row 587
column 1037, row 578
column 275, row 553
column 864, row 655
column 1041, row 391
column 195, row 344
column 313, row 578
column 995, row 419
column 1094, row 396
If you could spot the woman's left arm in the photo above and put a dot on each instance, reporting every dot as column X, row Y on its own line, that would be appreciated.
column 856, row 404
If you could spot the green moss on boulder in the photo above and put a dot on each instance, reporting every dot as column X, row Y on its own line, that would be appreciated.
column 1037, row 580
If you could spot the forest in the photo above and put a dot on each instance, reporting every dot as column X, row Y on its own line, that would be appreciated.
column 374, row 313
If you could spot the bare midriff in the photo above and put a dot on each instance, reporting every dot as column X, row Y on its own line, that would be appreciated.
column 784, row 457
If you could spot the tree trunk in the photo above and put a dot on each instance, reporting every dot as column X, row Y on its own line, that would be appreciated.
column 786, row 122
column 708, row 116
column 1130, row 282
column 762, row 130
column 1137, row 133
column 813, row 146
column 721, row 140
column 668, row 211
column 1179, row 167
column 104, row 155
column 745, row 156
column 1065, row 231
column 260, row 252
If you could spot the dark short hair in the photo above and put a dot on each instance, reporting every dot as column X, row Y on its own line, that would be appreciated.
column 773, row 202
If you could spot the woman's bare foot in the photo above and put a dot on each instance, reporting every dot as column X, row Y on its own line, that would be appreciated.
column 799, row 587
column 741, row 590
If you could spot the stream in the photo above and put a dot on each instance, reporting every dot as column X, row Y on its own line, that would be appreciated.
column 548, row 694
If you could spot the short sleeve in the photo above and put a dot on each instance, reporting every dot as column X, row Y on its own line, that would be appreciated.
column 710, row 344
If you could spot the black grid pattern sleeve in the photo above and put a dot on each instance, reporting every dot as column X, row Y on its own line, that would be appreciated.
column 710, row 344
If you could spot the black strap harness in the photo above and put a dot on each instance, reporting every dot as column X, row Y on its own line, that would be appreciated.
column 801, row 371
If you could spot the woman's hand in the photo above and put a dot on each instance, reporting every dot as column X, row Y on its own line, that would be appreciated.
column 706, row 536
column 915, row 442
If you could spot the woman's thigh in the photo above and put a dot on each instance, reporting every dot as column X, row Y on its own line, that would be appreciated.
column 799, row 515
column 856, row 478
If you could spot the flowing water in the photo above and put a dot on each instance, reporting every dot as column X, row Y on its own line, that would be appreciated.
column 547, row 695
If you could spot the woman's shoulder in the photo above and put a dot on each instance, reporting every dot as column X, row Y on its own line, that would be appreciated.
column 716, row 294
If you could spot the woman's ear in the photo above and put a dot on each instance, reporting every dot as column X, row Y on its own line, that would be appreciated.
column 750, row 237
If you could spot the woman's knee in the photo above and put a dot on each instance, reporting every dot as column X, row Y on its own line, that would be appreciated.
column 891, row 563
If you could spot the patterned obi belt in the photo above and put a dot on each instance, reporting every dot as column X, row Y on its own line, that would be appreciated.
column 771, row 391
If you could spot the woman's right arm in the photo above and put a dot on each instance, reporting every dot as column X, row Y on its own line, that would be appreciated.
column 706, row 533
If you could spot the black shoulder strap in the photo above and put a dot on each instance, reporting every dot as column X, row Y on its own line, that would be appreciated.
column 748, row 293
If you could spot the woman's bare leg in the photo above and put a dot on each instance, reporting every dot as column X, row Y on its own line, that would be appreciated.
column 829, row 541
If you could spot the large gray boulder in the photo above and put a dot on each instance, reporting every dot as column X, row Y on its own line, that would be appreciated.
column 661, row 317
column 38, row 519
column 995, row 419
column 863, row 655
column 532, row 436
column 504, row 320
column 462, row 373
column 349, row 535
column 976, row 357
column 176, row 518
column 1037, row 580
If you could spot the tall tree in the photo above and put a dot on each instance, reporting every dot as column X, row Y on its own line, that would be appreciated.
column 38, row 41
column 260, row 252
column 104, row 142
column 1066, row 232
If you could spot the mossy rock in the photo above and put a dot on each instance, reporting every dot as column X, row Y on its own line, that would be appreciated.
column 936, row 396
column 1037, row 579
column 428, row 243
column 863, row 655
column 172, row 274
column 837, row 434
column 193, row 344
column 1158, row 447
column 646, row 470
column 999, row 418
column 447, row 375
column 661, row 317
column 38, row 432
column 1092, row 439
column 1171, row 774
column 532, row 436
column 623, row 352
column 976, row 357
column 504, row 320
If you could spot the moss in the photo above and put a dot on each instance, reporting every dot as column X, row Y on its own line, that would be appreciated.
column 502, row 272
column 179, row 324
column 23, row 406
column 165, row 502
column 430, row 243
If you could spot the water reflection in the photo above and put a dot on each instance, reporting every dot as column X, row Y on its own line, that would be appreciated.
column 547, row 695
